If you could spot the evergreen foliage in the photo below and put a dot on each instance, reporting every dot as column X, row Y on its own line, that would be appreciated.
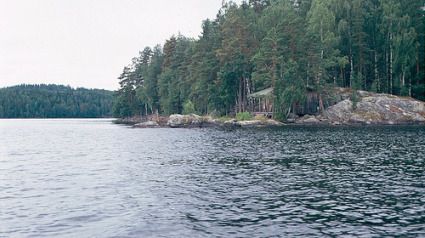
column 54, row 101
column 188, row 108
column 290, row 45
column 243, row 116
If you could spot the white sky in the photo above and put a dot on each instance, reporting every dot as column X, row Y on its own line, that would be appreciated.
column 86, row 43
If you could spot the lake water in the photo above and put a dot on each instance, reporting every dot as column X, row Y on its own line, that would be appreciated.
column 91, row 178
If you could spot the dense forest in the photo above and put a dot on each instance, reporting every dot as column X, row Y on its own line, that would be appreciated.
column 290, row 45
column 54, row 101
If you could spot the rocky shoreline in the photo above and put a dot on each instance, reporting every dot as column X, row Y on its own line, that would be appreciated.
column 365, row 109
column 196, row 121
column 370, row 109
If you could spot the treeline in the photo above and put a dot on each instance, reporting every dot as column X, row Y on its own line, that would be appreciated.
column 54, row 101
column 290, row 45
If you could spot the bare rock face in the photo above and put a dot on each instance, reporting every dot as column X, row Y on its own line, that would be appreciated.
column 231, row 123
column 273, row 123
column 341, row 112
column 259, row 123
column 377, row 109
column 191, row 120
column 251, row 123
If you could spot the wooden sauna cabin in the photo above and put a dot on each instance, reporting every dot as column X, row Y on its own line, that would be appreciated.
column 261, row 103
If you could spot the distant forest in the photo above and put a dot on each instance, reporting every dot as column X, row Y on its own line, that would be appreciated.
column 54, row 101
column 290, row 45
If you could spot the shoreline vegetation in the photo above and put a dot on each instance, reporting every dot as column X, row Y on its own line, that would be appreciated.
column 307, row 62
column 368, row 109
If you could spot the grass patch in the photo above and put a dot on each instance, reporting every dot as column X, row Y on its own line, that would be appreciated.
column 224, row 119
column 260, row 118
column 243, row 116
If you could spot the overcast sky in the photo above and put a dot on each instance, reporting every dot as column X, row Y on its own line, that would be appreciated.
column 88, row 42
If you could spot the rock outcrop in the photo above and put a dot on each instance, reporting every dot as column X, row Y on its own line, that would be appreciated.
column 377, row 109
column 308, row 120
column 368, row 108
column 252, row 123
column 191, row 120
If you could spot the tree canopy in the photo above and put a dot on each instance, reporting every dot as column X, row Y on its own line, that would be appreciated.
column 54, row 101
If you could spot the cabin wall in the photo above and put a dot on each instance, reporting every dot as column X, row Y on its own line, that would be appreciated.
column 258, row 105
column 310, row 106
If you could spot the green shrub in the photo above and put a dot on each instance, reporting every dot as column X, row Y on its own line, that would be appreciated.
column 243, row 116
column 404, row 91
column 188, row 107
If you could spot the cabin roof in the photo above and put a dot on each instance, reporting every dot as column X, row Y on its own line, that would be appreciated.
column 263, row 93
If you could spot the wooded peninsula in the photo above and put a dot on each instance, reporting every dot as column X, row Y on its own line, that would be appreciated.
column 54, row 101
column 292, row 49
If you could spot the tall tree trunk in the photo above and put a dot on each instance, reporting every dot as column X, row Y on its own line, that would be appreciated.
column 239, row 104
column 378, row 83
column 351, row 75
column 418, row 69
column 274, row 72
column 361, row 63
column 351, row 68
column 417, row 62
column 391, row 64
column 403, row 79
column 321, row 41
column 245, row 94
column 308, row 67
column 387, row 81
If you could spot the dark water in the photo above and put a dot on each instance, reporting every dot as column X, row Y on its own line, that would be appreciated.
column 90, row 178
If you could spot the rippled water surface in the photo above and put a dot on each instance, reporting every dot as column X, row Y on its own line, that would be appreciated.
column 91, row 178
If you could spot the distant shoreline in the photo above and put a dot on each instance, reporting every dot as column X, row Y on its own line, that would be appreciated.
column 58, row 118
column 54, row 101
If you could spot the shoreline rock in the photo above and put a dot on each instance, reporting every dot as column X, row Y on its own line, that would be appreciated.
column 377, row 109
column 369, row 109
column 191, row 120
column 253, row 123
column 196, row 121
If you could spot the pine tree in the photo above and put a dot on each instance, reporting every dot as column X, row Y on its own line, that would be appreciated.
column 323, row 55
column 237, row 49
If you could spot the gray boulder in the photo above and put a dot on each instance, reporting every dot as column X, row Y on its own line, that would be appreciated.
column 341, row 112
column 308, row 119
column 259, row 123
column 375, row 108
column 191, row 120
column 231, row 123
